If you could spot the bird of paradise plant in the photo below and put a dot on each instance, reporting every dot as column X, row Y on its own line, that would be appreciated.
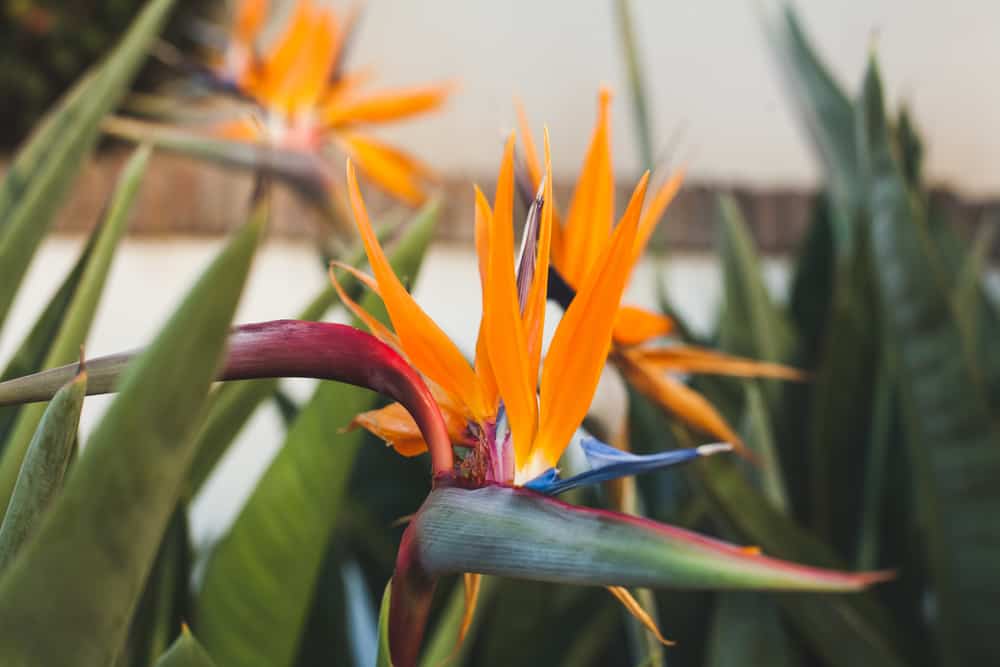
column 576, row 244
column 510, row 430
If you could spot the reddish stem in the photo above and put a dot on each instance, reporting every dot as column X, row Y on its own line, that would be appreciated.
column 326, row 351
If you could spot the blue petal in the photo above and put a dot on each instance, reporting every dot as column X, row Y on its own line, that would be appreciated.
column 607, row 463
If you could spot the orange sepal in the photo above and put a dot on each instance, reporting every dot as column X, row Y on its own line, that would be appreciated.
column 395, row 425
column 387, row 106
column 534, row 311
column 591, row 209
column 580, row 346
column 637, row 325
column 376, row 328
column 632, row 605
column 426, row 345
column 654, row 211
column 484, row 371
column 389, row 168
column 249, row 19
column 693, row 359
column 676, row 398
column 504, row 328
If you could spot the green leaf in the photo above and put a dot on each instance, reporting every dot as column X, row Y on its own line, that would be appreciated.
column 31, row 354
column 759, row 437
column 640, row 105
column 513, row 532
column 828, row 115
column 41, row 476
column 845, row 630
column 752, row 325
column 80, row 314
column 839, row 410
column 81, row 577
column 442, row 647
column 252, row 608
column 165, row 602
column 952, row 436
column 747, row 630
column 383, row 659
column 232, row 405
column 185, row 652
column 44, row 168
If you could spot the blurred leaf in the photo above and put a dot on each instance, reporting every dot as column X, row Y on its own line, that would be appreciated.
column 513, row 532
column 81, row 577
column 751, row 324
column 748, row 630
column 383, row 659
column 41, row 476
column 45, row 166
column 442, row 646
column 306, row 173
column 968, row 292
column 828, row 116
column 839, row 410
column 876, row 464
column 80, row 314
column 31, row 354
column 231, row 405
column 362, row 625
column 252, row 607
column 846, row 630
column 185, row 652
column 165, row 602
column 633, row 68
column 759, row 437
column 953, row 439
column 911, row 149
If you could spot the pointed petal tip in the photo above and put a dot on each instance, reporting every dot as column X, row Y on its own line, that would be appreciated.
column 714, row 448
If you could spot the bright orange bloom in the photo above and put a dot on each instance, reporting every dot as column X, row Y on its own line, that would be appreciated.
column 308, row 102
column 576, row 242
column 527, row 435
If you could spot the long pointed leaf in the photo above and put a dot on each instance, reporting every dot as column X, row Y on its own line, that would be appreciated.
column 36, row 182
column 185, row 652
column 81, row 577
column 953, row 438
column 41, row 476
column 80, row 315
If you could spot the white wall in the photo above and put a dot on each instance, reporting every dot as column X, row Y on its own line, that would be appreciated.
column 708, row 69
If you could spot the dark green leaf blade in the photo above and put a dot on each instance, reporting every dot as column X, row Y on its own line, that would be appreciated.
column 41, row 476
column 952, row 436
column 185, row 652
column 37, row 180
column 80, row 314
column 92, row 568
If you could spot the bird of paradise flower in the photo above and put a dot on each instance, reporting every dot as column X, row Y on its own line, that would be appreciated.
column 576, row 244
column 510, row 428
column 295, row 97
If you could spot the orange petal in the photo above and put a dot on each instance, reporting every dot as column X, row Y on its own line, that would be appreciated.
column 677, row 398
column 278, row 64
column 377, row 329
column 427, row 347
column 632, row 605
column 579, row 348
column 249, row 19
column 637, row 325
column 651, row 216
column 395, row 425
column 505, row 339
column 591, row 211
column 302, row 88
column 534, row 312
column 484, row 371
column 392, row 170
column 530, row 152
column 388, row 105
column 693, row 359
column 243, row 129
